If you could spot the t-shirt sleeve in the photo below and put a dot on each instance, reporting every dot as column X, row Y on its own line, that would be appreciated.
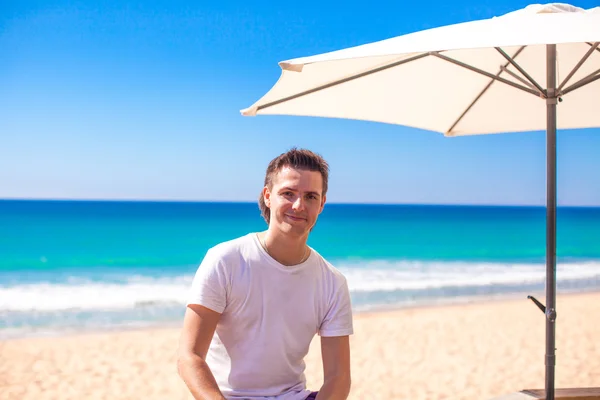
column 338, row 320
column 209, row 287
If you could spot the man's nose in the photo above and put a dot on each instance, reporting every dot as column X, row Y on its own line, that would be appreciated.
column 298, row 203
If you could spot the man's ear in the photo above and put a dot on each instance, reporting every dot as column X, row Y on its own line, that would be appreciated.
column 323, row 200
column 267, row 196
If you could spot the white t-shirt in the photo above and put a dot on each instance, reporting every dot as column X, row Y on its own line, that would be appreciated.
column 269, row 315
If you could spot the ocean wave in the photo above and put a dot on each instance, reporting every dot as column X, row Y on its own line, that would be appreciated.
column 135, row 292
column 409, row 275
column 139, row 292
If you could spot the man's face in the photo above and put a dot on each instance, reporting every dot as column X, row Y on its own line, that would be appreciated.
column 295, row 200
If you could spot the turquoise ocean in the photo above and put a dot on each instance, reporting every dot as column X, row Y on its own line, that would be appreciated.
column 70, row 266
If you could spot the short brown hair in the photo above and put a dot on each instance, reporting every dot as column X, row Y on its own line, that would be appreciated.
column 298, row 159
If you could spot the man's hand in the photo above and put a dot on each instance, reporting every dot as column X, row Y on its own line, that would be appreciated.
column 199, row 326
column 335, row 352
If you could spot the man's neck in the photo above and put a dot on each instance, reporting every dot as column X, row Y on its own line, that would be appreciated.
column 285, row 249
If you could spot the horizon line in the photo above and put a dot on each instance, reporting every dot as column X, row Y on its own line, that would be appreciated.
column 100, row 200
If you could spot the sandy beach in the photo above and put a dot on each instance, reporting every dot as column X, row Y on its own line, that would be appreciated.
column 467, row 351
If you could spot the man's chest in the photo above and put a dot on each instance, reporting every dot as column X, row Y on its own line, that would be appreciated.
column 292, row 301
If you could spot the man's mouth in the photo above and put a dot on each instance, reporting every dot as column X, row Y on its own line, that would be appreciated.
column 295, row 218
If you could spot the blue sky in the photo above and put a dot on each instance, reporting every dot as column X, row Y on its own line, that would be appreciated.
column 141, row 100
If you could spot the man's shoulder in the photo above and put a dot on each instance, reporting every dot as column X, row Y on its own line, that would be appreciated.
column 232, row 247
column 328, row 268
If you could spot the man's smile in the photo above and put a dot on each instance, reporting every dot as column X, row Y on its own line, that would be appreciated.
column 295, row 217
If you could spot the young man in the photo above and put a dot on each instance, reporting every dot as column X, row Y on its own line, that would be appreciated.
column 257, row 301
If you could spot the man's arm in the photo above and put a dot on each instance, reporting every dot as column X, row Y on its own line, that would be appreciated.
column 335, row 352
column 199, row 326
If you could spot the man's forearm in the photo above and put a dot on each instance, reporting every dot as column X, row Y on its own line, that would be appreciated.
column 335, row 388
column 199, row 379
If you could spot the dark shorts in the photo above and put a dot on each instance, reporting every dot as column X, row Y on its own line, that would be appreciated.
column 312, row 396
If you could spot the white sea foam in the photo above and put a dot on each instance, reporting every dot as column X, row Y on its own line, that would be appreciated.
column 135, row 292
column 374, row 276
column 386, row 276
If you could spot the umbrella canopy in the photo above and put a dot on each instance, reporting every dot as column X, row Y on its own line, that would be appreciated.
column 418, row 80
column 532, row 69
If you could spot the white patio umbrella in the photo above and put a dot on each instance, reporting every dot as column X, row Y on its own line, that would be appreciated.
column 503, row 74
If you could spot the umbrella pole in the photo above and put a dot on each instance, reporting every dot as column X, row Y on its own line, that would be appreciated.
column 551, row 100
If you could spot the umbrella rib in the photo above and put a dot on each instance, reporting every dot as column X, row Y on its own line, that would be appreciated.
column 588, row 79
column 591, row 44
column 340, row 81
column 489, row 75
column 502, row 69
column 521, row 70
column 517, row 77
column 579, row 64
